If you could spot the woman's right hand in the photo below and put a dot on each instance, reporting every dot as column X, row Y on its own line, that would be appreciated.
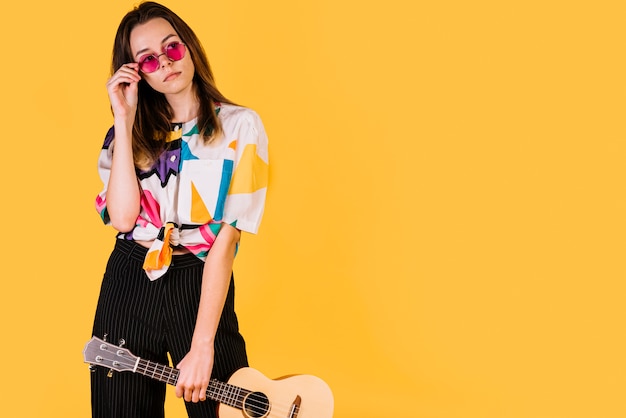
column 122, row 88
column 122, row 197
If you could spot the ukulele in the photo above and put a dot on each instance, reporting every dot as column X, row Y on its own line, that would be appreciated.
column 248, row 393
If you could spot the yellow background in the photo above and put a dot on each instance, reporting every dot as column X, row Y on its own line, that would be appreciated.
column 444, row 232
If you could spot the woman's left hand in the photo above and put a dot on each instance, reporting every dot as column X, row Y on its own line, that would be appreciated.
column 195, row 373
column 196, row 367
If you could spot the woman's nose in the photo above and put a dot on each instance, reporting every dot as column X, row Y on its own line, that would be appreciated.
column 164, row 60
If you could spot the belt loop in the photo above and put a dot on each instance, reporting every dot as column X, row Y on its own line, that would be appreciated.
column 132, row 248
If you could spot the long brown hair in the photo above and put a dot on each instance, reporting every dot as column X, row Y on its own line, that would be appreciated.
column 154, row 114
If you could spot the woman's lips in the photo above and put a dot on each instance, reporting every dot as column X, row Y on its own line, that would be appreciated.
column 171, row 77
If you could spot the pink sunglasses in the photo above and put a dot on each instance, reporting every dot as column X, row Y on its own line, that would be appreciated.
column 174, row 51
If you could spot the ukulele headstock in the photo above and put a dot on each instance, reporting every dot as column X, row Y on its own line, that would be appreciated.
column 101, row 353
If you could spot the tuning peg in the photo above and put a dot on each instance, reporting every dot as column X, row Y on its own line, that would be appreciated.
column 121, row 342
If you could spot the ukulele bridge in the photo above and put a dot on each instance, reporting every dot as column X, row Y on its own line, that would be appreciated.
column 295, row 407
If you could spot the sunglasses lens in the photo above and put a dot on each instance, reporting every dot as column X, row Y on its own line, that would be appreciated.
column 149, row 64
column 175, row 51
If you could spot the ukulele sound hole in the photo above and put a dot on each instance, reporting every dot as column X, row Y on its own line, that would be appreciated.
column 256, row 405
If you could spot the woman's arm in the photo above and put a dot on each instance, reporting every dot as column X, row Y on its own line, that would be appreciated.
column 196, row 366
column 123, row 188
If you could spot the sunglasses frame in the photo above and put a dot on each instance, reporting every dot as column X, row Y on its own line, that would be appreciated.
column 157, row 57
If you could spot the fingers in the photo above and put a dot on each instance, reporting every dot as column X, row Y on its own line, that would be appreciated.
column 189, row 395
column 202, row 393
column 195, row 374
column 192, row 393
column 127, row 73
column 122, row 88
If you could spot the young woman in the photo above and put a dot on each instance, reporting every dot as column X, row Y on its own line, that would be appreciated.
column 184, row 171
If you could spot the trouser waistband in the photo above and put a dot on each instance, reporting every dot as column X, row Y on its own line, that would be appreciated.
column 138, row 252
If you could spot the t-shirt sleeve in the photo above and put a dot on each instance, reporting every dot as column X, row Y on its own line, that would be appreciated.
column 245, row 201
column 104, row 171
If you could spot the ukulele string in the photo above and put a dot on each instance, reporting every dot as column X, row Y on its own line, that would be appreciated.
column 217, row 392
column 151, row 369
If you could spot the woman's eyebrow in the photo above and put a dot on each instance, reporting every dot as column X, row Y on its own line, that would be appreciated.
column 141, row 51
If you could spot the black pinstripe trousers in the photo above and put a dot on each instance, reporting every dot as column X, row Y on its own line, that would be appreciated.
column 155, row 318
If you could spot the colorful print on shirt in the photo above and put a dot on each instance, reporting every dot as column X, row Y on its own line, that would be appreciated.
column 195, row 187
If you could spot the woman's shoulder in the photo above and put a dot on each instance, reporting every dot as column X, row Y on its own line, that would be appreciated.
column 240, row 122
column 230, row 113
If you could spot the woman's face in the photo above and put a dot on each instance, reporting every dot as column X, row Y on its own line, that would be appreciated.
column 152, row 38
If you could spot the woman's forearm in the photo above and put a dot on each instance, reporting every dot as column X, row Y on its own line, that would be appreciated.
column 123, row 188
column 215, row 283
column 195, row 368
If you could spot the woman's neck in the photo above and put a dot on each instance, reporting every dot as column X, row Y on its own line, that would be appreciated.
column 184, row 106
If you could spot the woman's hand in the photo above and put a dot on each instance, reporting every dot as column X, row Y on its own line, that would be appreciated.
column 196, row 367
column 123, row 193
column 122, row 88
column 195, row 373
